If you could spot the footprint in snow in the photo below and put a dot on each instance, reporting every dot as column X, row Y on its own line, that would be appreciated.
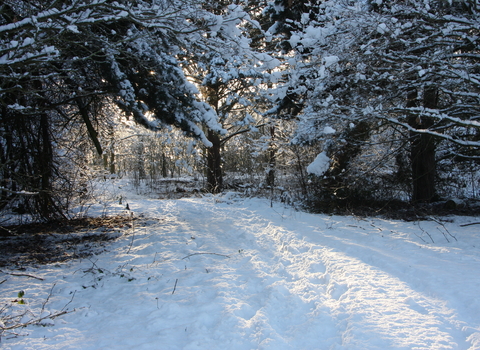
column 415, row 306
column 336, row 290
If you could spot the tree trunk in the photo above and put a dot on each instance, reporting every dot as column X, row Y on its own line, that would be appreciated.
column 164, row 166
column 214, row 166
column 46, row 206
column 272, row 160
column 422, row 153
column 423, row 168
column 43, row 165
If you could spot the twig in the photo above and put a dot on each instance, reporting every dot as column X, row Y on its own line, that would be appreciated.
column 21, row 275
column 3, row 281
column 21, row 193
column 73, row 296
column 9, row 323
column 471, row 223
column 175, row 286
column 133, row 234
column 10, row 232
column 36, row 320
column 189, row 255
column 48, row 298
column 440, row 223
column 424, row 241
column 154, row 259
column 429, row 235
column 92, row 268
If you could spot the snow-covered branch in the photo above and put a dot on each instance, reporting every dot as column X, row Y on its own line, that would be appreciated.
column 443, row 136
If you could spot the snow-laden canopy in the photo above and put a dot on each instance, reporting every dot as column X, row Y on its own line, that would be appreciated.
column 126, row 50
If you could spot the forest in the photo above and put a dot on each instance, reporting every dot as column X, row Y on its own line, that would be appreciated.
column 332, row 105
column 239, row 174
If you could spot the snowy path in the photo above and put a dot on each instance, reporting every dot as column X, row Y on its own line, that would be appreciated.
column 220, row 273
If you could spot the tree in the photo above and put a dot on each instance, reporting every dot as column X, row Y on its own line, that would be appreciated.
column 230, row 73
column 286, row 20
column 407, row 66
column 61, row 59
column 433, row 43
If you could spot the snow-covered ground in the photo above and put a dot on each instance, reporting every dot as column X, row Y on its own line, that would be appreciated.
column 224, row 272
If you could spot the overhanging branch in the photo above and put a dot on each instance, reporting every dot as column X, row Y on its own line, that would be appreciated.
column 449, row 138
column 225, row 139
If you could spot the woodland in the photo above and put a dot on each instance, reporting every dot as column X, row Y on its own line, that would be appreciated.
column 330, row 105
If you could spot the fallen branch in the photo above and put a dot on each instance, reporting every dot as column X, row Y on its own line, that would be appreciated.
column 446, row 230
column 35, row 321
column 189, row 255
column 175, row 286
column 21, row 275
column 428, row 234
column 469, row 224
column 10, row 322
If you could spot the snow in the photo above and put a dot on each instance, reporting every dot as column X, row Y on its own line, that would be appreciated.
column 320, row 165
column 73, row 28
column 382, row 28
column 268, row 61
column 330, row 60
column 328, row 130
column 225, row 272
column 294, row 40
column 28, row 41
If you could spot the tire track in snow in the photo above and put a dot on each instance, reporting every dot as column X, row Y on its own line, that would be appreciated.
column 365, row 303
column 290, row 283
column 271, row 295
column 287, row 285
column 360, row 306
column 367, row 258
column 370, row 304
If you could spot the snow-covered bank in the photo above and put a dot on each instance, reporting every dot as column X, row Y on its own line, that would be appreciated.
column 231, row 273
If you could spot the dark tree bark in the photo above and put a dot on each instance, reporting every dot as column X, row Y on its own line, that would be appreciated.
column 272, row 159
column 422, row 153
column 45, row 168
column 423, row 168
column 164, row 165
column 214, row 166
column 43, row 162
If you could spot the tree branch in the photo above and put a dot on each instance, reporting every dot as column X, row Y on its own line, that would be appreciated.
column 225, row 139
column 189, row 255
